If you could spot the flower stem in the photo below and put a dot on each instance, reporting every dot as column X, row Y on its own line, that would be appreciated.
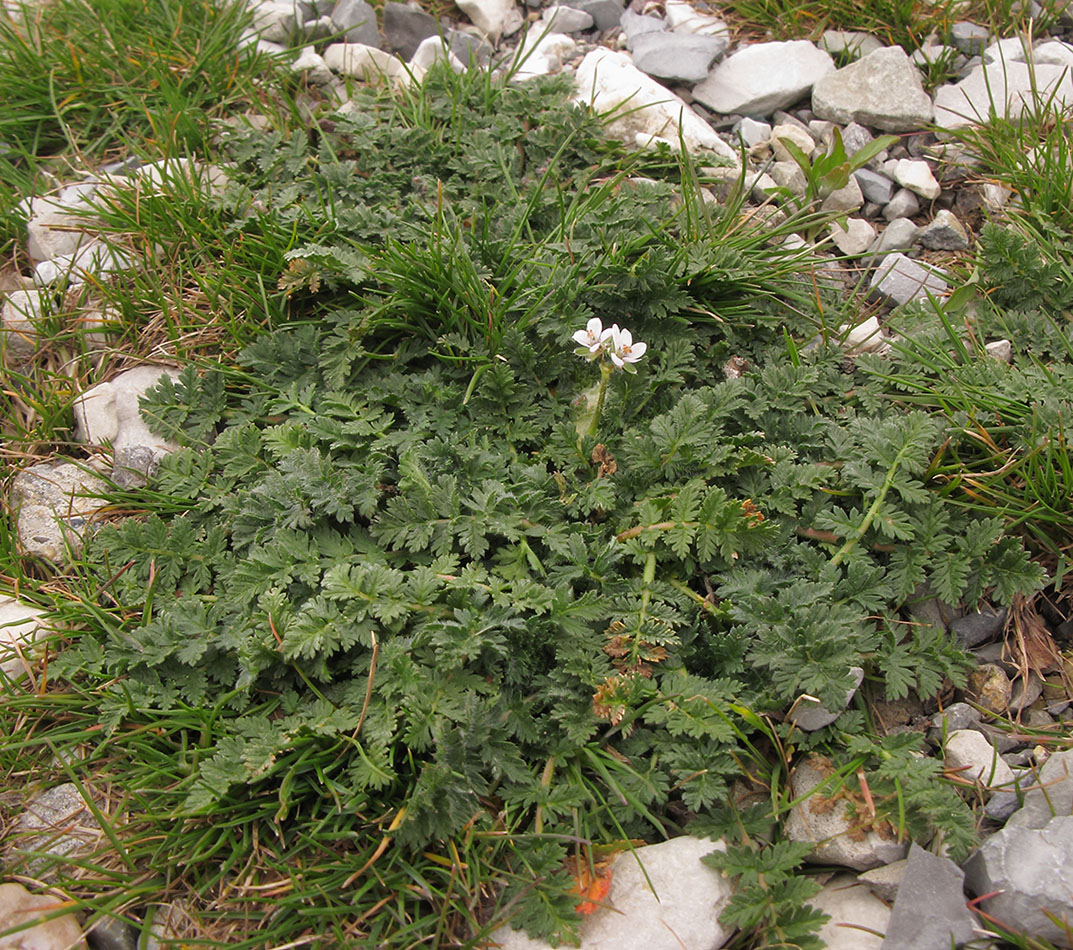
column 605, row 375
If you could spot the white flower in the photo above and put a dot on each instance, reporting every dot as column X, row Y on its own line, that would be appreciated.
column 623, row 350
column 593, row 339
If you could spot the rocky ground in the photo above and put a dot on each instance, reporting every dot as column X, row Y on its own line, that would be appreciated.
column 666, row 72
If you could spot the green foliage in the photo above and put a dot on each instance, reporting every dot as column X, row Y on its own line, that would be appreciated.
column 832, row 170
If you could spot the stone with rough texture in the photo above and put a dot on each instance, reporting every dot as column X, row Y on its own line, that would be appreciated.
column 108, row 413
column 54, row 824
column 358, row 19
column 917, row 176
column 969, row 38
column 973, row 759
column 369, row 64
column 494, row 18
column 903, row 204
column 899, row 235
column 1050, row 795
column 1000, row 350
column 91, row 260
column 1004, row 87
column 901, row 280
column 853, row 236
column 980, row 626
column 405, row 26
column 20, row 626
column 605, row 13
column 673, row 904
column 635, row 25
column 930, row 912
column 945, row 233
column 18, row 325
column 58, row 226
column 751, row 132
column 643, row 112
column 676, row 56
column 882, row 90
column 850, row 42
column 53, row 505
column 683, row 17
column 874, row 187
column 19, row 906
column 863, row 337
column 885, row 880
column 811, row 715
column 312, row 64
column 826, row 823
column 1054, row 53
column 564, row 19
column 1032, row 870
column 843, row 200
column 759, row 79
column 546, row 55
column 855, row 911
column 784, row 132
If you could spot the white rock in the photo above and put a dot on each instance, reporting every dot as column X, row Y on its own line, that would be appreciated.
column 1004, row 87
column 564, row 19
column 19, row 631
column 108, row 413
column 917, row 177
column 370, row 64
column 640, row 110
column 854, row 911
column 795, row 134
column 809, row 713
column 431, row 50
column 55, row 823
column 311, row 63
column 683, row 18
column 672, row 904
column 542, row 54
column 1053, row 53
column 1009, row 50
column 827, row 824
column 18, row 318
column 844, row 200
column 1000, row 350
column 864, row 337
column 58, row 226
column 53, row 505
column 974, row 759
column 494, row 18
column 19, row 907
column 759, row 79
column 854, row 236
column 276, row 21
column 92, row 260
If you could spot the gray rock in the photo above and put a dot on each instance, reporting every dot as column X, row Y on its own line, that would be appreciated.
column 677, row 56
column 852, row 237
column 855, row 137
column 1009, row 50
column 945, row 233
column 405, row 26
column 811, row 715
column 95, row 259
column 883, row 90
column 828, row 826
column 975, row 760
column 1053, row 52
column 956, row 716
column 789, row 175
column 759, row 79
column 18, row 907
column 800, row 137
column 858, row 917
column 899, row 235
column 969, row 38
column 662, row 898
column 900, row 280
column 1031, row 877
column 564, row 19
column 930, row 912
column 844, row 200
column 358, row 19
column 1050, row 795
column 471, row 50
column 849, row 42
column 432, row 50
column 19, row 316
column 634, row 25
column 1003, row 803
column 605, row 13
column 109, row 414
column 903, row 204
column 112, row 933
column 981, row 626
column 752, row 132
column 61, row 225
column 1002, row 87
column 312, row 64
column 874, row 187
column 54, row 824
column 20, row 628
column 884, row 881
column 53, row 504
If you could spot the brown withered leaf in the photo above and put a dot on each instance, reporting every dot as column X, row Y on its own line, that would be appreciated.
column 603, row 458
column 1028, row 640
